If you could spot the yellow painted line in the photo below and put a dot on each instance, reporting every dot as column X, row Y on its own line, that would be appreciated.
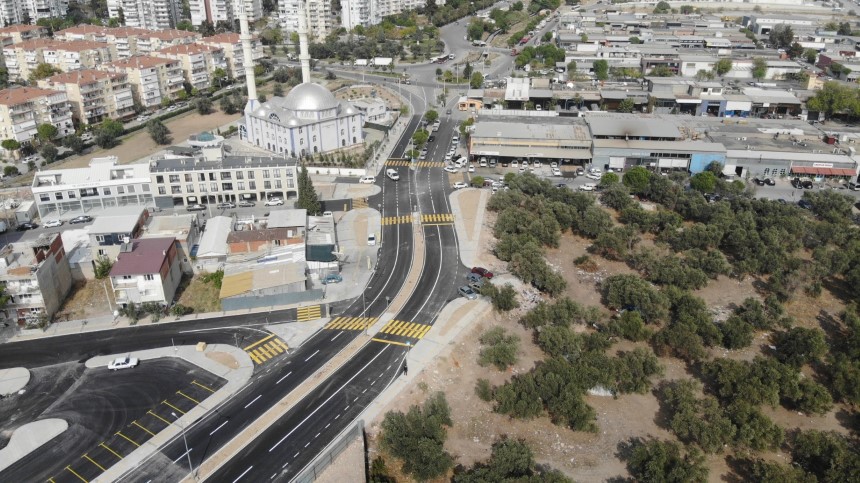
column 186, row 396
column 332, row 323
column 263, row 351
column 263, row 356
column 108, row 448
column 255, row 344
column 204, row 387
column 51, row 480
column 254, row 358
column 282, row 344
column 355, row 323
column 159, row 417
column 174, row 407
column 413, row 329
column 274, row 348
column 127, row 439
column 424, row 331
column 391, row 342
column 393, row 327
column 141, row 427
column 79, row 476
column 94, row 462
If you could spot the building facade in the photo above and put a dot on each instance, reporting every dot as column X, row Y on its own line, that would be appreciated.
column 94, row 95
column 37, row 278
column 231, row 44
column 146, row 270
column 214, row 11
column 30, row 11
column 150, row 14
column 23, row 58
column 23, row 109
column 320, row 18
column 152, row 79
column 15, row 34
column 109, row 233
column 198, row 61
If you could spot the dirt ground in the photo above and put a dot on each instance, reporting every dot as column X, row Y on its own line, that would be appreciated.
column 390, row 98
column 199, row 295
column 87, row 300
column 224, row 358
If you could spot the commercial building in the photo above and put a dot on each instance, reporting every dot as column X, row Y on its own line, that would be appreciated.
column 146, row 270
column 198, row 61
column 23, row 58
column 151, row 78
column 320, row 18
column 36, row 278
column 94, row 95
column 150, row 14
column 231, row 44
column 563, row 140
column 23, row 109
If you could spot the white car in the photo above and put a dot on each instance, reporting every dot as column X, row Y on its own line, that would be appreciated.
column 371, row 240
column 588, row 187
column 553, row 165
column 450, row 169
column 514, row 163
column 52, row 224
column 274, row 202
column 471, row 168
column 594, row 176
column 537, row 164
column 556, row 172
column 460, row 185
column 123, row 363
column 594, row 170
column 524, row 167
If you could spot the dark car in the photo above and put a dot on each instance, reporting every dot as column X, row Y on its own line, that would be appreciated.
column 807, row 185
column 195, row 208
column 712, row 197
column 27, row 226
column 80, row 219
column 796, row 183
column 482, row 272
column 806, row 205
column 758, row 181
column 769, row 182
column 225, row 205
column 431, row 139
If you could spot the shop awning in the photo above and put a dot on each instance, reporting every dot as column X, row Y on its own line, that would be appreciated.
column 822, row 171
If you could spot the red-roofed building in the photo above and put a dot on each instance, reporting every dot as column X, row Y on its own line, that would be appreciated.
column 198, row 62
column 20, row 33
column 146, row 270
column 70, row 55
column 94, row 95
column 151, row 78
column 230, row 43
column 22, row 109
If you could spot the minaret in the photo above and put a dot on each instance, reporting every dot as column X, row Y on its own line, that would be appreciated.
column 304, row 56
column 245, row 37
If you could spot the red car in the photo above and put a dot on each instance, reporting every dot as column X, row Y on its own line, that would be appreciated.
column 482, row 272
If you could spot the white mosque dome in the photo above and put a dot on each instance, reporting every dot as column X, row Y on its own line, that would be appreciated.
column 310, row 97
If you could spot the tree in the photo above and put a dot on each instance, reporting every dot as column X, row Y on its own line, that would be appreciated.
column 833, row 98
column 43, row 71
column 417, row 438
column 107, row 133
column 477, row 181
column 661, row 71
column 477, row 80
column 431, row 116
column 203, row 105
column 420, row 137
column 781, row 36
column 795, row 50
column 10, row 171
column 662, row 461
column 631, row 292
column 47, row 131
column 637, row 179
column 627, row 105
column 10, row 145
column 571, row 67
column 158, row 132
column 662, row 7
column 601, row 69
column 798, row 346
column 475, row 30
column 759, row 70
column 308, row 197
column 511, row 461
column 103, row 267
column 723, row 66
column 500, row 349
column 278, row 90
column 467, row 70
column 810, row 55
column 704, row 182
column 49, row 153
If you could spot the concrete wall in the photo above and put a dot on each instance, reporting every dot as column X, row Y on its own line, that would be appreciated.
column 275, row 300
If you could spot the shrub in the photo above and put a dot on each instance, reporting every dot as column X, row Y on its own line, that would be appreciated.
column 417, row 438
column 662, row 461
column 484, row 390
column 500, row 348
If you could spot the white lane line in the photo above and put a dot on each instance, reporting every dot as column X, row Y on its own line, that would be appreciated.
column 273, row 476
column 356, row 399
column 303, row 421
column 281, row 379
column 337, row 416
column 307, row 444
column 374, row 382
column 327, row 425
column 252, row 402
column 243, row 474
column 335, row 337
column 182, row 455
column 317, row 436
column 285, row 465
column 219, row 427
column 295, row 455
column 365, row 390
column 309, row 357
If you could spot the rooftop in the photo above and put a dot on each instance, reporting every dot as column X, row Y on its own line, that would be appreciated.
column 264, row 234
column 176, row 225
column 82, row 77
column 114, row 224
column 224, row 38
column 20, row 95
column 533, row 128
column 263, row 278
column 630, row 125
column 213, row 243
column 288, row 218
column 99, row 171
column 20, row 259
column 20, row 28
column 141, row 62
column 189, row 49
column 146, row 256
column 162, row 163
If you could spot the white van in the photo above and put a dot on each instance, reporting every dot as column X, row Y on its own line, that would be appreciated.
column 854, row 186
column 392, row 174
column 367, row 179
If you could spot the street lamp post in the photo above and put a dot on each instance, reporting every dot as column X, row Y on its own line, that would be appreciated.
column 187, row 451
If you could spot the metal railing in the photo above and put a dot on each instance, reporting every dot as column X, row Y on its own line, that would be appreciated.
column 328, row 455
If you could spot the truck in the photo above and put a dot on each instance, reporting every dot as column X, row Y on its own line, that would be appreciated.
column 362, row 62
column 381, row 61
column 515, row 51
column 479, row 43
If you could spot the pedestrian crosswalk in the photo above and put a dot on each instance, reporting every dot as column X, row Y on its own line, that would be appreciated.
column 402, row 328
column 311, row 312
column 350, row 323
column 417, row 164
column 396, row 220
column 438, row 218
column 266, row 348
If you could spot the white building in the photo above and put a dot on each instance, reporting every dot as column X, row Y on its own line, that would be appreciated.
column 146, row 270
column 320, row 18
column 308, row 121
column 215, row 11
column 148, row 14
column 22, row 109
column 371, row 12
column 16, row 11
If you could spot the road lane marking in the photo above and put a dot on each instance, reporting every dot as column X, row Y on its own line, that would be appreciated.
column 159, row 417
column 174, row 407
column 255, row 344
column 252, row 402
column 219, row 427
column 94, row 462
column 204, row 387
column 141, row 427
column 103, row 445
column 183, row 455
column 297, row 454
column 337, row 416
column 309, row 357
column 307, row 444
column 127, row 439
column 243, row 474
column 318, row 435
column 327, row 400
column 51, row 480
column 327, row 425
column 254, row 358
column 281, row 379
column 386, row 341
column 336, row 336
column 76, row 474
column 282, row 344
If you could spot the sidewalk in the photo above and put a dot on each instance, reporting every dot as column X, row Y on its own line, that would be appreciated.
column 358, row 260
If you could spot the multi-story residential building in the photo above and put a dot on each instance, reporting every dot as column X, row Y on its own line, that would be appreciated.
column 104, row 184
column 94, row 95
column 36, row 278
column 320, row 18
column 24, row 11
column 108, row 233
column 67, row 56
column 146, row 270
column 152, row 78
column 125, row 42
column 371, row 12
column 230, row 43
column 151, row 14
column 23, row 109
column 214, row 177
column 214, row 11
column 198, row 61
column 20, row 33
column 153, row 41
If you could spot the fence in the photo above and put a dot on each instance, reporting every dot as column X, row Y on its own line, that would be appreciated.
column 272, row 300
column 315, row 468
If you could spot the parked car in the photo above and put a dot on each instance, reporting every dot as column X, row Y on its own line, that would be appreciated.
column 758, row 181
column 474, row 277
column 805, row 204
column 327, row 213
column 451, row 169
column 52, row 224
column 588, row 187
column 247, row 204
column 225, row 205
column 482, row 272
column 196, row 207
column 460, row 185
column 80, row 219
column 123, row 363
column 431, row 139
column 332, row 278
column 27, row 226
column 556, row 172
column 807, row 185
column 580, row 172
column 515, row 163
column 769, row 182
column 466, row 291
column 594, row 176
column 471, row 168
column 274, row 202
column 371, row 240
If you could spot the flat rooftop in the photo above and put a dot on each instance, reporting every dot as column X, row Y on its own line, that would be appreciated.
column 533, row 128
column 160, row 163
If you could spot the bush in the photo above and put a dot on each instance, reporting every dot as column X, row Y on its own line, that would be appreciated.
column 203, row 105
column 500, row 349
column 511, row 462
column 662, row 461
column 417, row 438
column 629, row 325
column 504, row 299
column 484, row 390
column 158, row 132
column 737, row 333
column 632, row 293
column 798, row 346
column 103, row 267
column 180, row 310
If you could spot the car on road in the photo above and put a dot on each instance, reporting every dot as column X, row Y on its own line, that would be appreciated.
column 758, row 181
column 594, row 176
column 471, row 168
column 467, row 292
column 80, row 219
column 807, row 185
column 422, row 156
column 371, row 240
column 27, row 226
column 247, row 204
column 392, row 174
column 483, row 272
column 594, row 170
column 274, row 202
column 451, row 169
column 196, row 207
column 123, row 363
column 580, row 172
column 460, row 185
column 225, row 205
column 431, row 139
column 769, row 182
column 588, row 187
column 561, row 185
column 367, row 179
column 332, row 278
column 52, row 224
column 556, row 172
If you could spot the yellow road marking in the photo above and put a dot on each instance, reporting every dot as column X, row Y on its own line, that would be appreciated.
column 255, row 344
column 308, row 313
column 174, row 407
column 424, row 331
column 437, row 224
column 204, row 387
column 141, row 427
column 262, row 355
column 254, row 358
column 282, row 344
column 51, row 480
column 159, row 417
column 391, row 342
column 103, row 445
column 79, row 476
column 127, row 439
column 274, row 347
column 186, row 396
column 262, row 351
column 94, row 462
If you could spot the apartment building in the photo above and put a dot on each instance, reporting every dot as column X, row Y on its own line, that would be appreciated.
column 103, row 184
column 36, row 278
column 94, row 95
column 109, row 233
column 23, row 109
column 125, row 42
column 371, row 12
column 151, row 78
column 149, row 14
column 67, row 56
column 17, row 11
column 215, row 11
column 198, row 61
column 231, row 44
column 146, row 270
column 15, row 34
column 320, row 18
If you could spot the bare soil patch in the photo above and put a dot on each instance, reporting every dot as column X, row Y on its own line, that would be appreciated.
column 86, row 300
column 199, row 295
column 224, row 358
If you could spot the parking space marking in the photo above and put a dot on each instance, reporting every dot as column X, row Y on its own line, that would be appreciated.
column 127, row 439
column 255, row 344
column 204, row 387
column 186, row 396
column 141, row 427
column 76, row 474
column 94, row 462
column 159, row 417
column 171, row 405
column 103, row 445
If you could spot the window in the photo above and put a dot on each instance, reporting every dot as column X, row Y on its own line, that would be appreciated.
column 174, row 178
column 126, row 277
column 201, row 176
column 227, row 186
column 276, row 173
column 46, row 197
column 159, row 179
column 72, row 195
column 189, row 188
column 240, row 175
column 162, row 190
column 106, row 191
column 226, row 175
column 240, row 185
column 291, row 184
column 315, row 138
column 277, row 243
column 131, row 189
column 146, row 188
column 265, row 173
column 278, row 184
column 213, row 187
column 250, row 175
column 341, row 132
column 102, row 253
column 189, row 177
column 120, row 190
column 252, row 185
column 302, row 141
column 58, row 196
column 211, row 176
column 267, row 185
column 175, row 190
column 100, row 238
column 149, row 276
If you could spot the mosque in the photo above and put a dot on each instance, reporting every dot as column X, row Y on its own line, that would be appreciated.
column 309, row 120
